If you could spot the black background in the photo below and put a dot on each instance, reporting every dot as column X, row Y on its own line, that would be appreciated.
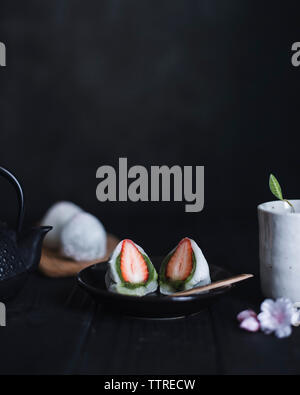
column 160, row 82
column 170, row 82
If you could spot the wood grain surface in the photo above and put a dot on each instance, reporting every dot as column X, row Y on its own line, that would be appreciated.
column 52, row 264
column 54, row 327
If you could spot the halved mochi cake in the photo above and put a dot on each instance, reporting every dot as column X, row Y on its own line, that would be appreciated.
column 183, row 268
column 130, row 270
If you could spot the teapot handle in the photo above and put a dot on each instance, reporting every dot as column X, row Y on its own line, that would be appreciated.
column 12, row 179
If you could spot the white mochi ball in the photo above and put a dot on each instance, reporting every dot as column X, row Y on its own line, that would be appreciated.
column 57, row 216
column 83, row 238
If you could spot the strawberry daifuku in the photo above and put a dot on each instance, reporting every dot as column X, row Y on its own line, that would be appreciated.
column 183, row 268
column 130, row 270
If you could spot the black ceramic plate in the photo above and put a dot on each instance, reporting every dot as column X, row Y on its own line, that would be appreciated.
column 152, row 305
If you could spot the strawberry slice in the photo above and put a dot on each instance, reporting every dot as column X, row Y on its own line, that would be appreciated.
column 180, row 264
column 133, row 266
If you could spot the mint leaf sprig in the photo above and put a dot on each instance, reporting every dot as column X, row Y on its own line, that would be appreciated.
column 276, row 190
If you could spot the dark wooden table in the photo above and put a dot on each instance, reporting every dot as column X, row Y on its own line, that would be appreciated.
column 53, row 327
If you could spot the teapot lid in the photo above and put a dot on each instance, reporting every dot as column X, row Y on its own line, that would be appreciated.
column 12, row 179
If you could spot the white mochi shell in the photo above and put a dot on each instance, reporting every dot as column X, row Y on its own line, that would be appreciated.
column 57, row 216
column 200, row 277
column 114, row 283
column 83, row 238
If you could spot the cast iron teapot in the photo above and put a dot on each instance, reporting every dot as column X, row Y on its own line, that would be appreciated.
column 20, row 251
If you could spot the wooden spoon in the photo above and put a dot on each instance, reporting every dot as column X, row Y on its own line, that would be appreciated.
column 214, row 285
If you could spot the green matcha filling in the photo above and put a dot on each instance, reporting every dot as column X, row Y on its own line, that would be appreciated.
column 177, row 285
column 128, row 285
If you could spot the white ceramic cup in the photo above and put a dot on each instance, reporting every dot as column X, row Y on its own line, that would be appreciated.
column 279, row 249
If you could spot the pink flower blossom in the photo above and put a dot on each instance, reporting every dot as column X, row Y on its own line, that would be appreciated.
column 250, row 324
column 276, row 316
column 245, row 314
column 248, row 320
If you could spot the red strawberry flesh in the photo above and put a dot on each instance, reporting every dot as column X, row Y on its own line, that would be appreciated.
column 180, row 264
column 134, row 268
